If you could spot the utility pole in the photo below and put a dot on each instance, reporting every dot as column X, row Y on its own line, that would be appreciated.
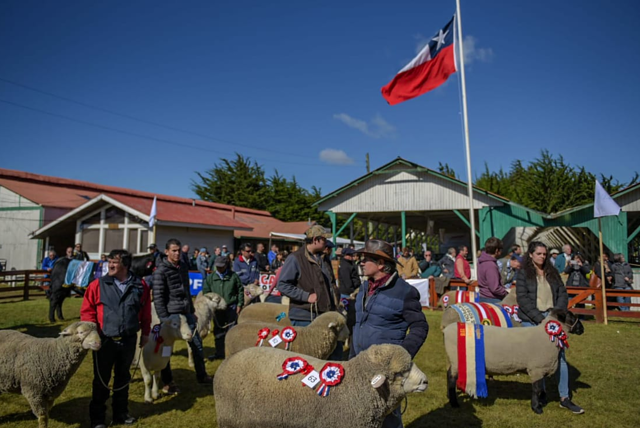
column 368, row 166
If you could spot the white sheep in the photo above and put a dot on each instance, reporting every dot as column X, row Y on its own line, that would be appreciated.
column 206, row 305
column 513, row 350
column 318, row 339
column 40, row 368
column 265, row 312
column 374, row 384
column 157, row 352
column 251, row 291
column 452, row 316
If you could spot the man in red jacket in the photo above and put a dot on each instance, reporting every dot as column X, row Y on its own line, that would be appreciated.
column 120, row 304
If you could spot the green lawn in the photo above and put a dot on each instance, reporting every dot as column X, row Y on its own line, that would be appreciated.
column 605, row 381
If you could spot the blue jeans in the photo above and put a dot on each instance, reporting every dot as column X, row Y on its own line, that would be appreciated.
column 621, row 299
column 562, row 374
column 488, row 300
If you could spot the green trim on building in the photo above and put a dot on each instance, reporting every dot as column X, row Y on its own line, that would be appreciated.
column 20, row 208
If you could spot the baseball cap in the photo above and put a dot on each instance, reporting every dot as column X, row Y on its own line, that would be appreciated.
column 221, row 261
column 554, row 251
column 152, row 246
column 348, row 252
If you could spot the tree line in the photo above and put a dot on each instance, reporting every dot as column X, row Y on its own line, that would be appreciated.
column 547, row 183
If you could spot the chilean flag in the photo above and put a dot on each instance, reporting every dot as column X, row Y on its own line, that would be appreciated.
column 428, row 70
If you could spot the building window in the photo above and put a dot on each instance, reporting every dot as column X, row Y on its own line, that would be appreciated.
column 113, row 239
column 144, row 241
column 114, row 215
column 90, row 240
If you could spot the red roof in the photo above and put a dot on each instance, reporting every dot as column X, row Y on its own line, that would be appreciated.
column 66, row 193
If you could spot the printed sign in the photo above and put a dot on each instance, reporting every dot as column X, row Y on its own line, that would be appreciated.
column 275, row 341
column 195, row 282
column 266, row 281
column 167, row 350
column 312, row 379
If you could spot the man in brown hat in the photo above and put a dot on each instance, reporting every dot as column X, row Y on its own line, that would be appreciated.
column 306, row 279
column 388, row 309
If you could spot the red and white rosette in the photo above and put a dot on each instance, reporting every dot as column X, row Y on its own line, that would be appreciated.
column 330, row 375
column 508, row 309
column 155, row 331
column 262, row 335
column 288, row 335
column 555, row 331
column 275, row 332
column 445, row 300
column 291, row 366
column 515, row 316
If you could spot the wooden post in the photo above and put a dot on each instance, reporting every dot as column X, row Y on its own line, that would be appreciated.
column 25, row 295
column 603, row 279
column 601, row 305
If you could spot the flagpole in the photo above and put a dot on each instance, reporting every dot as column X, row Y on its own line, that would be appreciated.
column 603, row 280
column 472, row 218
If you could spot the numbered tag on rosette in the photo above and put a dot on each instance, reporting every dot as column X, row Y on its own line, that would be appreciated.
column 291, row 366
column 262, row 335
column 288, row 335
column 275, row 339
column 330, row 375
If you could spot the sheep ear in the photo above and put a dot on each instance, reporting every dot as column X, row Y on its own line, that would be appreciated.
column 65, row 332
column 378, row 381
column 333, row 325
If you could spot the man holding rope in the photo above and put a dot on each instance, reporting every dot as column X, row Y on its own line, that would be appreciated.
column 120, row 304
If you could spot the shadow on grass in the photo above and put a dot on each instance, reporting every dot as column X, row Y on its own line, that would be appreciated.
column 19, row 417
column 41, row 330
column 77, row 410
column 448, row 416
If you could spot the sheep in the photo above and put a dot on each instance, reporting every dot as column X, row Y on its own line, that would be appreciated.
column 40, row 368
column 452, row 297
column 509, row 351
column 318, row 339
column 374, row 384
column 206, row 305
column 452, row 316
column 265, row 312
column 154, row 357
column 251, row 292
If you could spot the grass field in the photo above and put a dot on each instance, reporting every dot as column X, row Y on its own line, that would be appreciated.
column 605, row 380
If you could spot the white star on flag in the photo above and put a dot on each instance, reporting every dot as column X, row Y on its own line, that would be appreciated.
column 440, row 38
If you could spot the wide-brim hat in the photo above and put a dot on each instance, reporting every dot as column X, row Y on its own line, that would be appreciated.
column 379, row 249
column 554, row 251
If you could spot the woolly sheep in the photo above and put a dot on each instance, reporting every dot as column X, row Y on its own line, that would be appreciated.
column 265, row 312
column 206, row 305
column 250, row 377
column 252, row 291
column 173, row 328
column 318, row 339
column 509, row 351
column 451, row 298
column 40, row 368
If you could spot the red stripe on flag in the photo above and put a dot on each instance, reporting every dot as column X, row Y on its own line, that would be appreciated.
column 462, row 357
column 422, row 78
column 495, row 319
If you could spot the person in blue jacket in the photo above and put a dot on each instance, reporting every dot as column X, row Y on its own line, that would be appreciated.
column 246, row 266
column 388, row 309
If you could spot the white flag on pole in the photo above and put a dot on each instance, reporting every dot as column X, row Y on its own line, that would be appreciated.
column 152, row 215
column 604, row 204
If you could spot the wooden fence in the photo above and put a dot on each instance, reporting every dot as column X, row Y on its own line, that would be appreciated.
column 22, row 284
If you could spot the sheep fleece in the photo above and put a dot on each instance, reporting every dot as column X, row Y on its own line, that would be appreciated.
column 316, row 339
column 248, row 394
column 265, row 312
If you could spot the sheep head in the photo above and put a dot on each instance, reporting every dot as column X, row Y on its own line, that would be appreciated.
column 395, row 373
column 334, row 321
column 571, row 323
column 176, row 327
column 215, row 302
column 85, row 333
column 253, row 290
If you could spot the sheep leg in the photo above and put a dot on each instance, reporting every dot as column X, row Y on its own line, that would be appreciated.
column 451, row 389
column 537, row 391
column 154, row 389
column 146, row 376
column 39, row 407
column 190, row 356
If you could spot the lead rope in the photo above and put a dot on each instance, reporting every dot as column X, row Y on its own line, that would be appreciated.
column 406, row 403
column 95, row 355
column 314, row 305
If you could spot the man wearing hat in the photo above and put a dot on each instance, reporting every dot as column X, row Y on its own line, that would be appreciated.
column 388, row 309
column 306, row 279
column 157, row 255
column 227, row 284
column 553, row 255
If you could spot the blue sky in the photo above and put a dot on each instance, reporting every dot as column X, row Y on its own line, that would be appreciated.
column 296, row 86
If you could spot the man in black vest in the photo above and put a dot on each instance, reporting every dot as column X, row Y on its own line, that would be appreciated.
column 120, row 304
column 171, row 295
column 306, row 279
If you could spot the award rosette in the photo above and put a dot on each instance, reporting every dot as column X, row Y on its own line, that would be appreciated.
column 288, row 335
column 445, row 300
column 156, row 336
column 330, row 375
column 291, row 366
column 557, row 334
column 262, row 335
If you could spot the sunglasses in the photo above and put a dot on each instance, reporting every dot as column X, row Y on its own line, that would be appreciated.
column 368, row 259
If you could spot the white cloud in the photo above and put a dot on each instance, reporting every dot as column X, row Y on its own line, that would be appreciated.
column 375, row 128
column 473, row 53
column 335, row 157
